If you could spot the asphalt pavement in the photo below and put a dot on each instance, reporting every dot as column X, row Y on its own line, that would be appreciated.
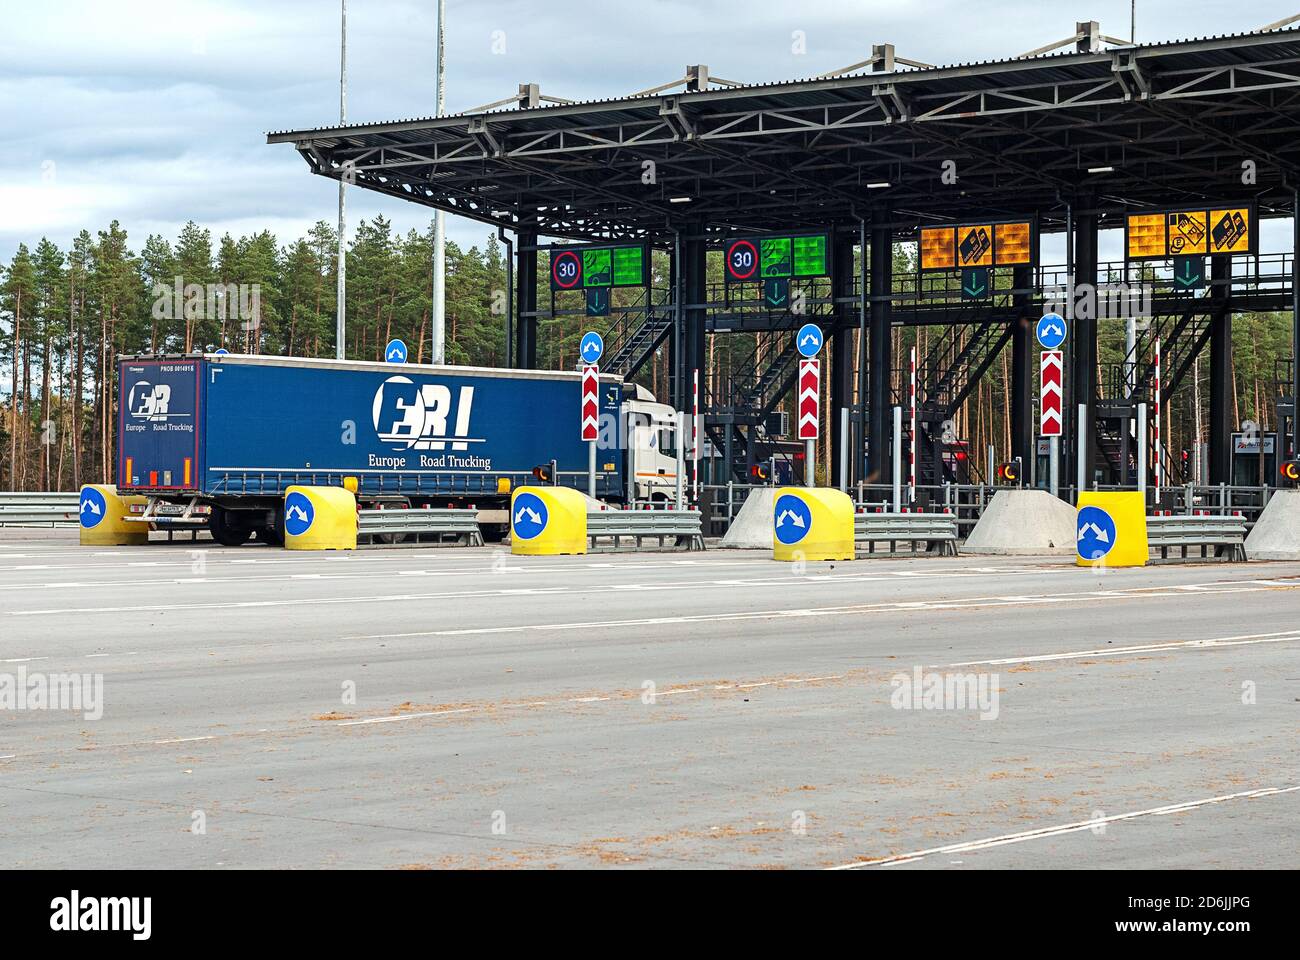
column 462, row 707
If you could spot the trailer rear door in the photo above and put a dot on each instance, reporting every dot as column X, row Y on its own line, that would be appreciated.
column 159, row 424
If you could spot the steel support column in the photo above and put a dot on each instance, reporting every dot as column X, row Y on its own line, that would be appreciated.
column 1221, row 425
column 845, row 317
column 881, row 359
column 526, row 302
column 1295, row 323
column 1023, row 366
column 1082, row 384
column 694, row 288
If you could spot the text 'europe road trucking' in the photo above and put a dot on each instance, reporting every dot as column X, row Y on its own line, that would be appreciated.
column 226, row 435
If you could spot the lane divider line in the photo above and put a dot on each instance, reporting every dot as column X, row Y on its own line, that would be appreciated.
column 1062, row 829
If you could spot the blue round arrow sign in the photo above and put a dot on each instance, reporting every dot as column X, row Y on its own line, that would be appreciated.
column 93, row 507
column 591, row 347
column 809, row 339
column 528, row 516
column 395, row 352
column 791, row 519
column 1051, row 331
column 1096, row 533
column 298, row 514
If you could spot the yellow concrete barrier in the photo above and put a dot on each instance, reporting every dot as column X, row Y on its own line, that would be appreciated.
column 102, row 517
column 812, row 523
column 545, row 521
column 320, row 518
column 1111, row 530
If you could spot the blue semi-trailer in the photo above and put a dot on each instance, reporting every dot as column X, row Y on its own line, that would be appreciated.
column 223, row 436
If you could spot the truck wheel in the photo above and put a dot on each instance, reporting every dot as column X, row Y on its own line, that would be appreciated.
column 226, row 530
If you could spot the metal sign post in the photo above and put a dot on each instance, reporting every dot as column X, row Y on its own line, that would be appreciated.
column 591, row 347
column 898, row 459
column 911, row 447
column 809, row 341
column 1082, row 452
column 1051, row 394
column 1142, row 449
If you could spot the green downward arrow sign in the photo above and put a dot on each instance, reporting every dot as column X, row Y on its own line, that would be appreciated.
column 974, row 282
column 1188, row 274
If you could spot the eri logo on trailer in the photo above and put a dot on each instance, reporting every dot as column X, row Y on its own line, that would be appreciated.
column 528, row 516
column 1096, row 533
column 148, row 401
column 412, row 416
column 93, row 507
column 298, row 514
column 791, row 519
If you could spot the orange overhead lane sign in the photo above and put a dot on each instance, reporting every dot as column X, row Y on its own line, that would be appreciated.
column 1146, row 236
column 1220, row 231
column 977, row 245
column 937, row 249
column 1187, row 233
column 1230, row 230
column 1014, row 245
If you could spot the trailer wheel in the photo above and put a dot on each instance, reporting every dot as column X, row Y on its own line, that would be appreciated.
column 226, row 529
column 273, row 535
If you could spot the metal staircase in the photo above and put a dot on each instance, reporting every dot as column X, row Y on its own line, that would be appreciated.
column 635, row 332
column 1124, row 385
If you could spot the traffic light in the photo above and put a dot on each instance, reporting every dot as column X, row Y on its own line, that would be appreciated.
column 1290, row 470
column 545, row 473
column 1009, row 472
column 758, row 473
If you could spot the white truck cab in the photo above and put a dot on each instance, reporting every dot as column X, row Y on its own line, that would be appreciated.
column 652, row 446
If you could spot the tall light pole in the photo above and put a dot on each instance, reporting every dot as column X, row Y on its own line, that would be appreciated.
column 439, row 245
column 340, row 344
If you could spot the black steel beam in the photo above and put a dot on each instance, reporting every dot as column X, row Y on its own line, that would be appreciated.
column 1221, row 425
column 879, row 457
column 695, row 314
column 841, row 372
column 1082, row 386
column 1023, row 367
column 526, row 302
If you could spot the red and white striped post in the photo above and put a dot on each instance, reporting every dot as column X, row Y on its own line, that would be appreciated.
column 809, row 414
column 911, row 456
column 591, row 420
column 1155, row 406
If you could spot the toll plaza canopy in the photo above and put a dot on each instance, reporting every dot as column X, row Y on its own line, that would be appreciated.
column 1107, row 135
column 1174, row 120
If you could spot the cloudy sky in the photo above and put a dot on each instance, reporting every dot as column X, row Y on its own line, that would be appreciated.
column 154, row 113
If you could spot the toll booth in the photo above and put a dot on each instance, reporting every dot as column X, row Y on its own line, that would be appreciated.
column 1042, row 463
column 1247, row 451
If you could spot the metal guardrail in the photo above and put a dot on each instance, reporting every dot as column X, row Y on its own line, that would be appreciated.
column 417, row 525
column 681, row 526
column 39, row 509
column 938, row 531
column 1222, row 538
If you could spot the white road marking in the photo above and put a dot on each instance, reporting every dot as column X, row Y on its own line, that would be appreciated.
column 24, row 659
column 183, row 740
column 1137, row 593
column 1140, row 648
column 693, row 583
column 1056, row 831
column 407, row 716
